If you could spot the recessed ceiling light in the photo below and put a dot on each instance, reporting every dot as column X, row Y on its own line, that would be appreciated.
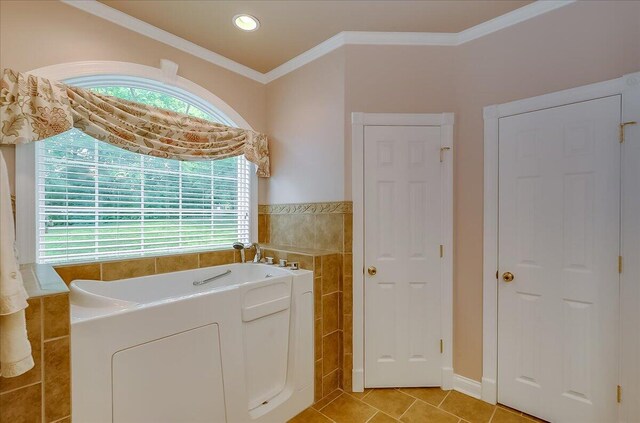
column 246, row 22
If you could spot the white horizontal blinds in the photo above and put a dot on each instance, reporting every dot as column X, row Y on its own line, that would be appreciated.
column 97, row 201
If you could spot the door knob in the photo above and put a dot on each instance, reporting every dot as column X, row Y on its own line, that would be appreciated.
column 372, row 270
column 508, row 277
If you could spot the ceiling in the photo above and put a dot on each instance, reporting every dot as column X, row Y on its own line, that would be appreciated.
column 289, row 28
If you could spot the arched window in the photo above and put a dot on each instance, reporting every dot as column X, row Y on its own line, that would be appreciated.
column 94, row 201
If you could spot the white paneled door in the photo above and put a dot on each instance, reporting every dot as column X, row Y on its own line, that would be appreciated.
column 402, row 237
column 559, row 242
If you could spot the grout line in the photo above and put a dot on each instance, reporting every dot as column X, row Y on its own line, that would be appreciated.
column 337, row 396
column 55, row 339
column 366, row 395
column 445, row 397
column 495, row 407
column 20, row 387
column 409, row 407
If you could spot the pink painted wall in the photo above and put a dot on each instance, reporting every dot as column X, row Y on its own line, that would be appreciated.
column 34, row 34
column 307, row 113
column 305, row 123
column 576, row 45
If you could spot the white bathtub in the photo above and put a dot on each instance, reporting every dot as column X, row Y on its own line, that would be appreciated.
column 159, row 349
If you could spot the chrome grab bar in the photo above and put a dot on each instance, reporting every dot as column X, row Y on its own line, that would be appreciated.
column 212, row 278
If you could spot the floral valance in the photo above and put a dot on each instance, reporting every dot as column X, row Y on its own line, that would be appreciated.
column 34, row 108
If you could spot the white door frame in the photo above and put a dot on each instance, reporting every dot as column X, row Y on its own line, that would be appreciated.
column 629, row 87
column 445, row 122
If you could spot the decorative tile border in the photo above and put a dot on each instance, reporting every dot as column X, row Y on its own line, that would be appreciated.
column 338, row 207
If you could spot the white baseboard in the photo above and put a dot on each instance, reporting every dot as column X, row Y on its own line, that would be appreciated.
column 467, row 386
column 489, row 391
column 447, row 378
column 357, row 380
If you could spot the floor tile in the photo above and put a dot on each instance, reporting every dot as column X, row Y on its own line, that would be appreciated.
column 360, row 395
column 468, row 408
column 504, row 416
column 380, row 417
column 346, row 409
column 391, row 401
column 326, row 400
column 421, row 412
column 310, row 416
column 433, row 396
column 513, row 410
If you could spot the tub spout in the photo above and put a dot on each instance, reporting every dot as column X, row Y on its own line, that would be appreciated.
column 258, row 256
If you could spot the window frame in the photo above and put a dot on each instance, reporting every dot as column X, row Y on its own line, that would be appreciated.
column 26, row 212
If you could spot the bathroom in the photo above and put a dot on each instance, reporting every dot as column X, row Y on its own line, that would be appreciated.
column 217, row 178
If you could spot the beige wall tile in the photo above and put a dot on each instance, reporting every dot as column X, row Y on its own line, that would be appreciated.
column 317, row 339
column 115, row 270
column 347, row 369
column 80, row 271
column 302, row 228
column 57, row 379
column 56, row 316
column 305, row 261
column 331, row 352
column 22, row 405
column 329, row 232
column 317, row 265
column 348, row 232
column 167, row 264
column 331, row 382
column 216, row 258
column 279, row 229
column 317, row 382
column 347, row 264
column 317, row 298
column 33, row 318
column 347, row 335
column 330, row 312
column 331, row 272
column 263, row 229
column 347, row 295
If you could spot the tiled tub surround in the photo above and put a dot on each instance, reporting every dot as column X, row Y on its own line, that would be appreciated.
column 43, row 394
column 320, row 227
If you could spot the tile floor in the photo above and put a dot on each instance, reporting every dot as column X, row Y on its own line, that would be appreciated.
column 411, row 405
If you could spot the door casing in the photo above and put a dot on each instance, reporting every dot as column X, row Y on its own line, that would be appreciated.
column 629, row 87
column 445, row 122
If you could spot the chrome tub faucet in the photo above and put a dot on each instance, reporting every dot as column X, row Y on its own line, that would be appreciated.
column 241, row 247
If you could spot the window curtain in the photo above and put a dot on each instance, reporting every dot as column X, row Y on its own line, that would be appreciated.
column 34, row 108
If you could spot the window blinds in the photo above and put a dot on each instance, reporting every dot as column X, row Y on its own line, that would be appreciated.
column 97, row 202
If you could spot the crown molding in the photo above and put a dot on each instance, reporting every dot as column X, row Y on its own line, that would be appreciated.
column 127, row 21
column 514, row 17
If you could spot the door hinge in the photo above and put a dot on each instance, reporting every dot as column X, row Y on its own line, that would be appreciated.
column 622, row 125
column 441, row 346
column 441, row 251
column 442, row 150
column 619, row 264
column 497, row 274
column 619, row 394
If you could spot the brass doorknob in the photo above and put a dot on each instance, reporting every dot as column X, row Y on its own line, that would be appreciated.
column 508, row 277
column 372, row 270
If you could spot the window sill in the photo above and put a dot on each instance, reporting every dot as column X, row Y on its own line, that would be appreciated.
column 41, row 280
